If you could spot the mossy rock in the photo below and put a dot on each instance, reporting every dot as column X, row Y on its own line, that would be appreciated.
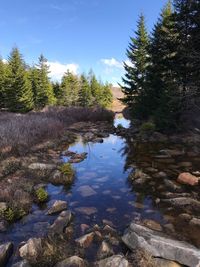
column 41, row 195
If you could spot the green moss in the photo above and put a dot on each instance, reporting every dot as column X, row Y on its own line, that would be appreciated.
column 9, row 215
column 67, row 169
column 120, row 126
column 41, row 195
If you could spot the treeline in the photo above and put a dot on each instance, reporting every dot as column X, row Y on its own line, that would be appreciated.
column 162, row 79
column 24, row 88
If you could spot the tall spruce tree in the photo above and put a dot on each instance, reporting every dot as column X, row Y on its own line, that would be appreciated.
column 85, row 95
column 69, row 90
column 44, row 89
column 96, row 88
column 136, row 71
column 163, row 98
column 18, row 91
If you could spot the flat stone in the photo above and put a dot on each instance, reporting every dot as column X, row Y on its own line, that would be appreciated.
column 173, row 186
column 183, row 202
column 188, row 179
column 160, row 245
column 107, row 222
column 31, row 250
column 165, row 263
column 41, row 166
column 195, row 222
column 114, row 261
column 86, row 210
column 85, row 241
column 152, row 225
column 185, row 164
column 6, row 251
column 57, row 206
column 73, row 261
column 86, row 191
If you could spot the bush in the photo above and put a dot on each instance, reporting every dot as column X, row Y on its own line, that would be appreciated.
column 147, row 127
column 41, row 195
column 9, row 215
column 67, row 169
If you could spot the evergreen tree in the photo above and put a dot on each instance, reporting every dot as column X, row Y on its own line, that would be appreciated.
column 34, row 79
column 44, row 90
column 96, row 88
column 136, row 72
column 69, row 90
column 19, row 96
column 106, row 96
column 163, row 98
column 2, row 84
column 56, row 89
column 85, row 95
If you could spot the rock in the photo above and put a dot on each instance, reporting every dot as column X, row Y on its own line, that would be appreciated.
column 86, row 210
column 160, row 175
column 73, row 261
column 61, row 222
column 160, row 245
column 104, row 251
column 86, row 191
column 69, row 232
column 77, row 158
column 3, row 226
column 195, row 222
column 185, row 164
column 6, row 251
column 23, row 263
column 31, row 250
column 41, row 166
column 173, row 186
column 85, row 241
column 185, row 217
column 68, row 153
column 3, row 206
column 107, row 222
column 88, row 136
column 183, row 202
column 152, row 225
column 84, row 227
column 114, row 261
column 108, row 229
column 57, row 178
column 188, row 179
column 97, row 140
column 57, row 206
column 165, row 263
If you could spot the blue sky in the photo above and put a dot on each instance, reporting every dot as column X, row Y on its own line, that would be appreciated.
column 74, row 34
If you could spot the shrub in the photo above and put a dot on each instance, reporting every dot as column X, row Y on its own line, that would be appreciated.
column 147, row 127
column 41, row 195
column 120, row 126
column 9, row 215
column 67, row 169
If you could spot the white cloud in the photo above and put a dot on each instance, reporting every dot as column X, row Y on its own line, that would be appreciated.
column 57, row 69
column 5, row 61
column 112, row 62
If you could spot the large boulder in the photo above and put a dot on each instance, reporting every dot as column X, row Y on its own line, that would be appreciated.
column 31, row 250
column 188, row 179
column 74, row 261
column 160, row 245
column 6, row 251
column 114, row 261
column 57, row 206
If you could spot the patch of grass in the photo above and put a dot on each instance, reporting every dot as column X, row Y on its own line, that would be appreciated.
column 41, row 195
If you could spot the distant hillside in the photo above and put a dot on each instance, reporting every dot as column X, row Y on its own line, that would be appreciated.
column 117, row 105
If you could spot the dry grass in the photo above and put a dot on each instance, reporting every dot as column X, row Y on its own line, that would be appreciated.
column 20, row 131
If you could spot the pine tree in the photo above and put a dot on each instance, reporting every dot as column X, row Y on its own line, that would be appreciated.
column 163, row 99
column 136, row 71
column 85, row 95
column 69, row 90
column 2, row 84
column 34, row 79
column 44, row 90
column 96, row 88
column 18, row 94
column 106, row 96
column 56, row 90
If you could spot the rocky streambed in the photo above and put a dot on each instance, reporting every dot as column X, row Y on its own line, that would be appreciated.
column 110, row 198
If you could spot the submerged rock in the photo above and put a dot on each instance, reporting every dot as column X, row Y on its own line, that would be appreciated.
column 86, row 191
column 74, row 261
column 23, row 263
column 160, row 245
column 188, row 179
column 114, row 261
column 31, row 250
column 104, row 251
column 85, row 241
column 77, row 158
column 58, row 178
column 57, row 206
column 86, row 210
column 61, row 222
column 6, row 251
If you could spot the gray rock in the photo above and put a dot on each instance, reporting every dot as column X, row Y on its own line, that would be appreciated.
column 42, row 166
column 74, row 261
column 61, row 222
column 184, row 202
column 31, row 249
column 114, row 261
column 160, row 245
column 173, row 186
column 3, row 226
column 6, row 251
column 23, row 263
column 3, row 206
column 57, row 206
